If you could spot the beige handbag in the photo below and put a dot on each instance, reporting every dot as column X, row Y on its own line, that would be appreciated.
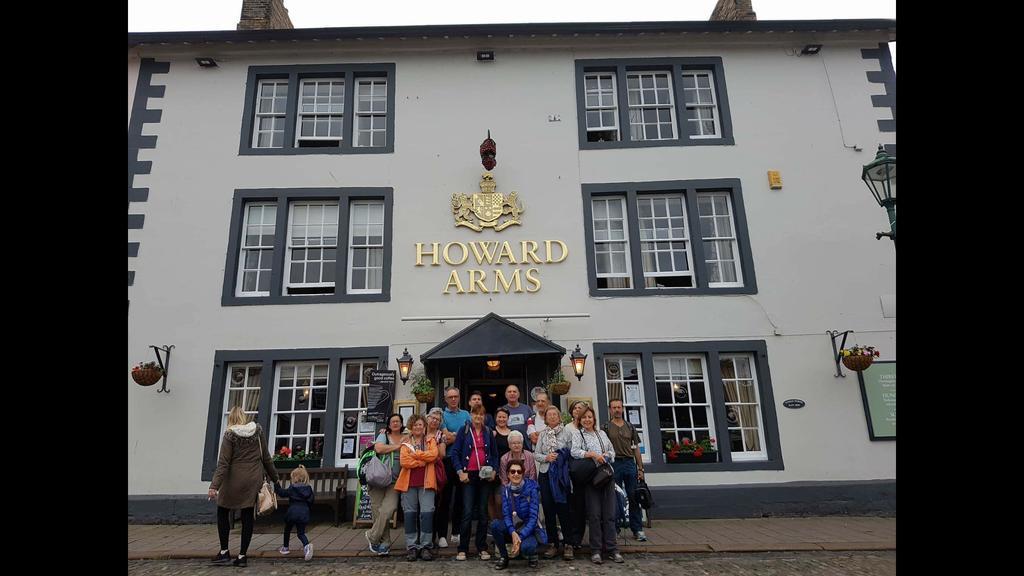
column 266, row 499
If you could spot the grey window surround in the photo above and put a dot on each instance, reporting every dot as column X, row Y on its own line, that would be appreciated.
column 712, row 349
column 621, row 66
column 284, row 196
column 269, row 359
column 688, row 188
column 350, row 72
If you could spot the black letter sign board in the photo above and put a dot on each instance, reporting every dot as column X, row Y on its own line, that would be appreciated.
column 380, row 395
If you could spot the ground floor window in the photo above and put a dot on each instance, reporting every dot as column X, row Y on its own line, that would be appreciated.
column 300, row 404
column 715, row 393
column 355, row 433
column 306, row 400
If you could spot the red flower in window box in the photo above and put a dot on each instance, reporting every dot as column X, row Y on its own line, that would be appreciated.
column 690, row 451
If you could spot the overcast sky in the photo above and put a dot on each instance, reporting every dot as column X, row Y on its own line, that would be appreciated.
column 182, row 15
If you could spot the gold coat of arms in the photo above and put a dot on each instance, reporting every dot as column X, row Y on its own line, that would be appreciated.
column 488, row 208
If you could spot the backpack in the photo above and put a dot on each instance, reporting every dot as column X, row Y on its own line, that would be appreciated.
column 622, row 508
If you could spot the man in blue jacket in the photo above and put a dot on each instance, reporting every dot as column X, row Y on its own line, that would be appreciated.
column 520, row 505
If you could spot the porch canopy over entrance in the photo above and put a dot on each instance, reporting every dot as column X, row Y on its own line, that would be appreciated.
column 525, row 360
column 492, row 336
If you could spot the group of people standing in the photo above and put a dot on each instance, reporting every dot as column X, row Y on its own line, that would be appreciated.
column 454, row 467
column 500, row 471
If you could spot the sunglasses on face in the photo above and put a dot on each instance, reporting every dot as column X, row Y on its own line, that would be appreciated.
column 516, row 472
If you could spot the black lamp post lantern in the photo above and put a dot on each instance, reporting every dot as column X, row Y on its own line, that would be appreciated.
column 880, row 177
column 579, row 362
column 404, row 365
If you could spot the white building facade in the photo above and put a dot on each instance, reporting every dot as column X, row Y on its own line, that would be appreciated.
column 291, row 225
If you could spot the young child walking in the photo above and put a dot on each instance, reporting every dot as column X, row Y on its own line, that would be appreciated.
column 300, row 498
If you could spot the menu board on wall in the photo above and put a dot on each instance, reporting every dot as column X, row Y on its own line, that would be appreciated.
column 380, row 395
column 878, row 390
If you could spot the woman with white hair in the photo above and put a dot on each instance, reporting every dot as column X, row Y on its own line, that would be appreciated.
column 516, row 452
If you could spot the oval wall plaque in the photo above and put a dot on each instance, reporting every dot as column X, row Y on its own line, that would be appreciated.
column 794, row 403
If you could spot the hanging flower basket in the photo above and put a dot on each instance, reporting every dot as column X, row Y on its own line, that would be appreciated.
column 857, row 363
column 560, row 388
column 858, row 358
column 147, row 374
column 557, row 384
column 422, row 388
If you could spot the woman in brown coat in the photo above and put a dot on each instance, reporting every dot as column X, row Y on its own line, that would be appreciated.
column 243, row 463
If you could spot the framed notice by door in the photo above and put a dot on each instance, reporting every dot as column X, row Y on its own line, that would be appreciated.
column 878, row 390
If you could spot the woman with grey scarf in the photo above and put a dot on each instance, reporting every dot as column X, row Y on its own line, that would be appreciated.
column 549, row 442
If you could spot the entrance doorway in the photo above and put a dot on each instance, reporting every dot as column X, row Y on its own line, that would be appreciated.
column 493, row 391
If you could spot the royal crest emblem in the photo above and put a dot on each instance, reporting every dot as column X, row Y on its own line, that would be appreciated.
column 488, row 206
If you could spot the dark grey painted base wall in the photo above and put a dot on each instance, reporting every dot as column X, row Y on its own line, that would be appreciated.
column 862, row 498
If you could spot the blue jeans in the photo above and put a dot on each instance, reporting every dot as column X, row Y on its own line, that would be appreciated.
column 528, row 548
column 625, row 476
column 475, row 495
column 418, row 504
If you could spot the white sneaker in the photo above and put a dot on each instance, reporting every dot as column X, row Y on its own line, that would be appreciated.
column 308, row 549
column 484, row 555
column 283, row 550
column 442, row 543
column 455, row 539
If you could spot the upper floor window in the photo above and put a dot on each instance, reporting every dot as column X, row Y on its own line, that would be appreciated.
column 699, row 97
column 651, row 110
column 309, row 245
column 305, row 109
column 602, row 108
column 321, row 110
column 662, row 101
column 679, row 237
column 270, row 114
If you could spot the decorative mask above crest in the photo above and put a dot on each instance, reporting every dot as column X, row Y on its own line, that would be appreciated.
column 487, row 208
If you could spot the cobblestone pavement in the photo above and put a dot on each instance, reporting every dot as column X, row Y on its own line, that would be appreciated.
column 881, row 563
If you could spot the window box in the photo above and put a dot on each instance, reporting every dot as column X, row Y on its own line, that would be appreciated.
column 290, row 464
column 689, row 457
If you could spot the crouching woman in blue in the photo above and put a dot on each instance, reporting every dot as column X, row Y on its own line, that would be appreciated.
column 300, row 498
column 520, row 505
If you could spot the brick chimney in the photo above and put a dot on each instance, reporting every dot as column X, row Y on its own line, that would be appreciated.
column 264, row 15
column 733, row 10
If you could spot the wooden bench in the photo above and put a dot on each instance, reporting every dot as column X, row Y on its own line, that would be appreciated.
column 330, row 487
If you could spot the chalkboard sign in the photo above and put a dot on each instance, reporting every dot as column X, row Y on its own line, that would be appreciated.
column 363, row 514
column 878, row 390
column 380, row 395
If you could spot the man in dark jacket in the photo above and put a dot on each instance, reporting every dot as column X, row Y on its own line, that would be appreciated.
column 300, row 497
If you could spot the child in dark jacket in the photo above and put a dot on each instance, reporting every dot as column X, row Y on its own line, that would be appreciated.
column 300, row 498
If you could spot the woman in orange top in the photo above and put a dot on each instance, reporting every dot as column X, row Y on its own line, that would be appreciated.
column 417, row 483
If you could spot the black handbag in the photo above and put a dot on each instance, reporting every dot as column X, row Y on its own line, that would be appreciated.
column 582, row 470
column 602, row 475
column 585, row 470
